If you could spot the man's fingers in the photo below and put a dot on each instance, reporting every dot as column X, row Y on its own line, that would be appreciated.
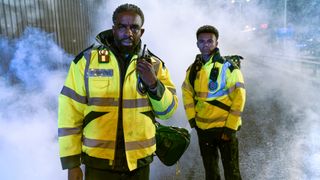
column 225, row 137
column 143, row 65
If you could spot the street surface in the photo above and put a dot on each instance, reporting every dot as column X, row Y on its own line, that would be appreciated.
column 278, row 139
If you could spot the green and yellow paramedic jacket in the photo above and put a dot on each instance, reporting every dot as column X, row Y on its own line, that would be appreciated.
column 215, row 104
column 89, row 107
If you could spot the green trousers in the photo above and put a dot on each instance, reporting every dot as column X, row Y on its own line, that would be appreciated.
column 210, row 143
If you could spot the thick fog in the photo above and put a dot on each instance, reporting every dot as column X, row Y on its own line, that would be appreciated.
column 280, row 132
column 32, row 74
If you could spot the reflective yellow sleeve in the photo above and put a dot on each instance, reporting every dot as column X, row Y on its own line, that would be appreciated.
column 165, row 107
column 188, row 96
column 237, row 94
column 72, row 102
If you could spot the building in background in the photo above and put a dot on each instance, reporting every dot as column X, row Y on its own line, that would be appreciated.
column 68, row 21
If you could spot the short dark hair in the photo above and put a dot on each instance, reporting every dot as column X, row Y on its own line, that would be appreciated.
column 208, row 29
column 127, row 8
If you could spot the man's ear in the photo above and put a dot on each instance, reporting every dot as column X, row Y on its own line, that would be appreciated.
column 113, row 29
column 217, row 43
column 142, row 31
column 197, row 44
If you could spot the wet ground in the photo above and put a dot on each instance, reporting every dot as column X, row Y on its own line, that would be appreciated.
column 278, row 139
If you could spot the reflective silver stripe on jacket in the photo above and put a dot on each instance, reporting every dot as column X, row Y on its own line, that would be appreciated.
column 235, row 112
column 133, row 145
column 103, row 101
column 191, row 105
column 135, row 103
column 127, row 103
column 69, row 131
column 99, row 143
column 205, row 120
column 237, row 85
column 87, row 56
column 73, row 95
column 187, row 86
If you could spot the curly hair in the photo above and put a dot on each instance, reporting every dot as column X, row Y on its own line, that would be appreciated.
column 208, row 29
column 127, row 8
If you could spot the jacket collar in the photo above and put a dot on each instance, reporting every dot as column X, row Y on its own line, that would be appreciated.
column 105, row 37
column 216, row 57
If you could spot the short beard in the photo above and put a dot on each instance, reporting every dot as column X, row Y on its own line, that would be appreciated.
column 124, row 49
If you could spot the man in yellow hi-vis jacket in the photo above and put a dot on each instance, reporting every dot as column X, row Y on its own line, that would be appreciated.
column 109, row 101
column 214, row 98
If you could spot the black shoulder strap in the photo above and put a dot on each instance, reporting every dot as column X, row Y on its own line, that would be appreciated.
column 195, row 67
column 79, row 56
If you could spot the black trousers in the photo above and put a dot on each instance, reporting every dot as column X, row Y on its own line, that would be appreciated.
column 141, row 173
column 210, row 143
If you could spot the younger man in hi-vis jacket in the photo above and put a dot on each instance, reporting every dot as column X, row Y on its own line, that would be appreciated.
column 214, row 98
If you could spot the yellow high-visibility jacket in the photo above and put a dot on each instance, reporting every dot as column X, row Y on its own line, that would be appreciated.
column 89, row 109
column 218, row 106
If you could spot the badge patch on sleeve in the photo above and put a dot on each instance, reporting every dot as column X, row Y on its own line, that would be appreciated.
column 103, row 56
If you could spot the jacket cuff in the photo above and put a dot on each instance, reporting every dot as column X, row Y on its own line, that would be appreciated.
column 229, row 132
column 157, row 92
column 192, row 122
column 69, row 162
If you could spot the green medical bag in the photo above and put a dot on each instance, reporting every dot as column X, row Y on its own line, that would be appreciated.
column 172, row 142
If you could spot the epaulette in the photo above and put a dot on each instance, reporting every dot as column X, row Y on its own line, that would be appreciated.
column 234, row 60
column 79, row 56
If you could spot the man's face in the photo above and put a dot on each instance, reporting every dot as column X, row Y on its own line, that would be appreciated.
column 206, row 43
column 127, row 30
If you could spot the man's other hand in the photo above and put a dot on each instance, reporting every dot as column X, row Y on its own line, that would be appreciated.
column 75, row 174
column 225, row 137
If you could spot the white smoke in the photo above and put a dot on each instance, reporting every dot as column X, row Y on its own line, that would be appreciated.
column 278, row 139
column 281, row 94
column 28, row 116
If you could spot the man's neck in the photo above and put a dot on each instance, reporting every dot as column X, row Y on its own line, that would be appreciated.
column 206, row 57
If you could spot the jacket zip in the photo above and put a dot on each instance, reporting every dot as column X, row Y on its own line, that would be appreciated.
column 119, row 112
column 122, row 66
